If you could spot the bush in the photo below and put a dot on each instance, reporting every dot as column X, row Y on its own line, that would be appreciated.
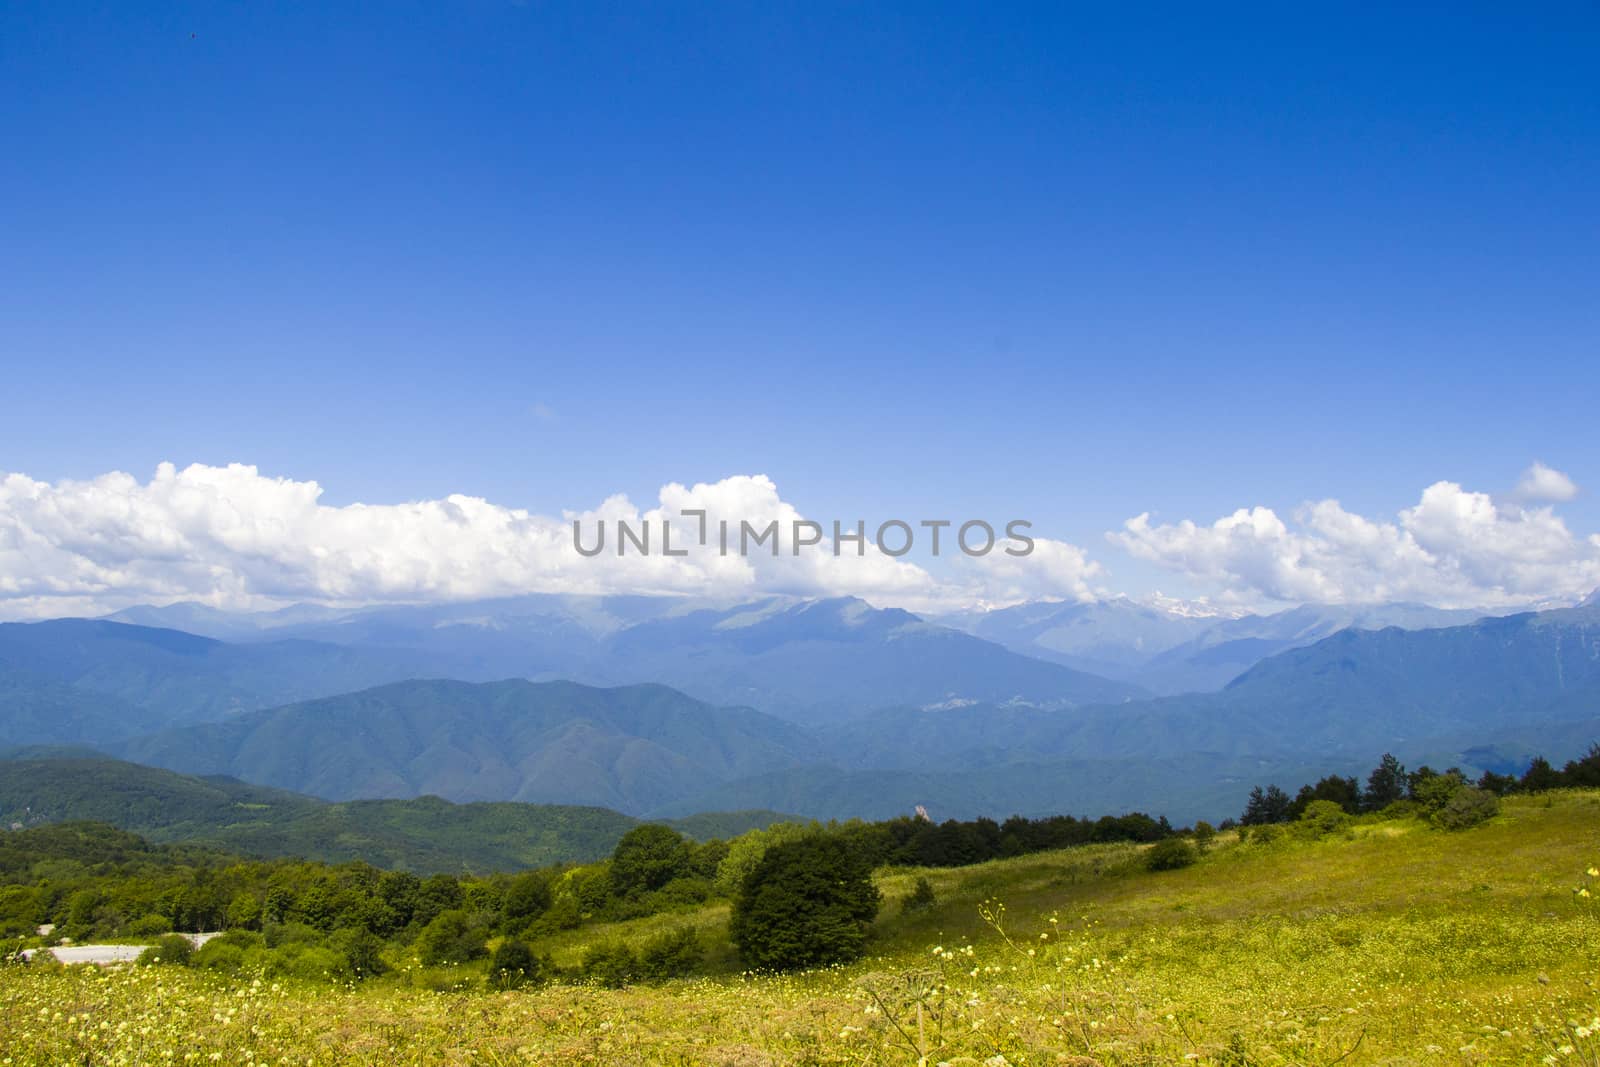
column 513, row 964
column 174, row 948
column 1204, row 835
column 807, row 903
column 612, row 965
column 229, row 953
column 279, row 934
column 921, row 898
column 1466, row 807
column 673, row 954
column 148, row 926
column 215, row 955
column 362, row 951
column 1322, row 817
column 312, row 962
column 1170, row 854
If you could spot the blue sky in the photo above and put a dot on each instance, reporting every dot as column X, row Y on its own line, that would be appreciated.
column 1058, row 261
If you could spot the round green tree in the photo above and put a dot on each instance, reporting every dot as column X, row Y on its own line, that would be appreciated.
column 807, row 903
column 647, row 858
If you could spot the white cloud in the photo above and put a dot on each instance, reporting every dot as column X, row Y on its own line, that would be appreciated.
column 1455, row 548
column 232, row 537
column 1541, row 484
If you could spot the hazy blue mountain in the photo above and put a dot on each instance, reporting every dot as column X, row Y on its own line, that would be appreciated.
column 1115, row 637
column 631, row 748
column 806, row 660
column 1170, row 651
column 206, row 621
column 1229, row 647
column 425, row 834
column 826, row 660
column 40, row 710
column 110, row 680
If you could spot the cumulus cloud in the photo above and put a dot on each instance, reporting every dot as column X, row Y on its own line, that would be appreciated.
column 233, row 537
column 1541, row 484
column 1455, row 548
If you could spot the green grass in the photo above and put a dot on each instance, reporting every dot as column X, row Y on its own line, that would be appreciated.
column 1393, row 943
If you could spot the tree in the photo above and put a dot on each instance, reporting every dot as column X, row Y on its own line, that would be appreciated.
column 1540, row 776
column 1433, row 790
column 1265, row 806
column 1583, row 773
column 746, row 850
column 244, row 912
column 921, row 898
column 1344, row 792
column 452, row 937
column 527, row 898
column 807, row 903
column 647, row 858
column 1204, row 835
column 1385, row 785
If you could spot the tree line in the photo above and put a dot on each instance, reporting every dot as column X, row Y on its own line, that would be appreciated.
column 1425, row 790
column 350, row 920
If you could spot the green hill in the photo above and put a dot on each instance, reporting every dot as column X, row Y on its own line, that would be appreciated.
column 631, row 748
column 422, row 834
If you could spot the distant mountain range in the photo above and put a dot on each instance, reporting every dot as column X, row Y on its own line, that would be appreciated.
column 1169, row 652
column 827, row 708
column 87, row 680
column 810, row 661
column 426, row 834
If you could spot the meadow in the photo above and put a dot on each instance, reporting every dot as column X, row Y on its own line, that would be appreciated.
column 1384, row 942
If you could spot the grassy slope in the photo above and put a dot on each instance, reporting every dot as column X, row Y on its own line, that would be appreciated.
column 1396, row 944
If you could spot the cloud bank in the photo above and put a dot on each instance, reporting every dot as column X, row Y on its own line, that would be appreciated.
column 1455, row 548
column 233, row 537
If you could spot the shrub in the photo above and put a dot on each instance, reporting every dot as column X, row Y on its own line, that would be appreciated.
column 1265, row 835
column 174, row 948
column 279, row 934
column 921, row 898
column 216, row 955
column 807, row 903
column 673, row 954
column 1466, row 807
column 362, row 951
column 312, row 962
column 1322, row 817
column 612, row 965
column 148, row 926
column 513, row 964
column 1204, row 835
column 1170, row 854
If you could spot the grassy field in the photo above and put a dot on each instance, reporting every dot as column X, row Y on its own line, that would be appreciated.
column 1392, row 943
